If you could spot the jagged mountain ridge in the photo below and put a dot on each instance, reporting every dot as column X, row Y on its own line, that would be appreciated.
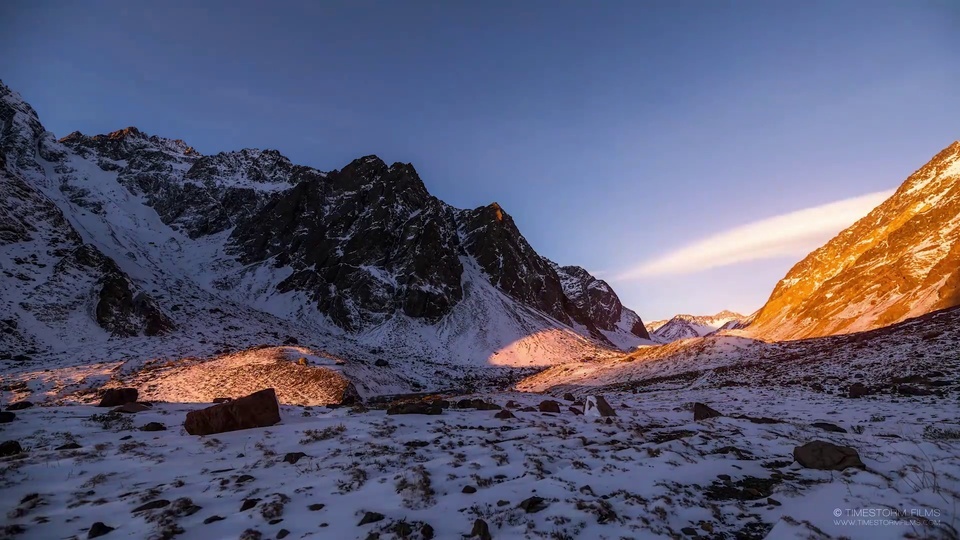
column 900, row 261
column 364, row 249
column 685, row 326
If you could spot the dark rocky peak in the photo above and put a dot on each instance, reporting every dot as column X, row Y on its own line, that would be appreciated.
column 490, row 235
column 592, row 296
column 365, row 242
column 20, row 130
column 250, row 168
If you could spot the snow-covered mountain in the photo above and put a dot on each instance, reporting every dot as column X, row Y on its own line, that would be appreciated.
column 900, row 261
column 125, row 243
column 689, row 326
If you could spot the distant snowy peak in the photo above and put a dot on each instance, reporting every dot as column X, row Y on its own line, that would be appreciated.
column 899, row 261
column 688, row 326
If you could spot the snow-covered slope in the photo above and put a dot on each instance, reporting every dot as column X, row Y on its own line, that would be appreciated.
column 689, row 326
column 127, row 234
column 900, row 261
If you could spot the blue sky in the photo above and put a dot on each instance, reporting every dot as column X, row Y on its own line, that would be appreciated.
column 615, row 133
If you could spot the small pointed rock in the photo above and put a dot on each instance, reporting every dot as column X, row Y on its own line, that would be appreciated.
column 98, row 529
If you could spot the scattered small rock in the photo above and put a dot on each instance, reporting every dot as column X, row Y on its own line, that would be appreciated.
column 222, row 400
column 213, row 519
column 282, row 533
column 907, row 390
column 426, row 532
column 7, row 417
column 68, row 446
column 504, row 415
column 576, row 411
column 857, row 390
column 244, row 478
column 370, row 517
column 98, row 529
column 703, row 412
column 598, row 406
column 481, row 530
column 569, row 397
column 469, row 489
column 153, row 426
column 532, row 505
column 293, row 457
column 415, row 407
column 248, row 504
column 381, row 363
column 316, row 506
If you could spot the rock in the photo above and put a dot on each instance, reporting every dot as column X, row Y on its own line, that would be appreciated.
column 907, row 390
column 10, row 448
column 213, row 519
column 576, row 411
column 222, row 399
column 773, row 502
column 248, row 504
column 244, row 478
column 291, row 341
column 532, row 505
column 569, row 397
column 302, row 361
column 827, row 456
column 152, row 505
column 153, row 426
column 504, row 415
column 481, row 530
column 293, row 457
column 259, row 409
column 316, row 506
column 502, row 503
column 68, row 446
column 511, row 404
column 597, row 406
column 826, row 426
column 370, row 517
column 98, row 529
column 114, row 397
column 381, row 363
column 19, row 406
column 282, row 533
column 131, row 408
column 469, row 489
column 549, row 406
column 426, row 532
column 703, row 412
column 415, row 407
column 251, row 534
column 857, row 390
column 7, row 417
column 402, row 529
column 689, row 531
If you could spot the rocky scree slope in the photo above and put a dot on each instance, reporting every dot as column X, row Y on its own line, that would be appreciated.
column 353, row 258
column 900, row 261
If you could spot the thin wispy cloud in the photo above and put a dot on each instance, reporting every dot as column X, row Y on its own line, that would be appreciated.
column 792, row 234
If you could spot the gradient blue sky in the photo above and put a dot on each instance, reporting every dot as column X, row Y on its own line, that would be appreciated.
column 614, row 132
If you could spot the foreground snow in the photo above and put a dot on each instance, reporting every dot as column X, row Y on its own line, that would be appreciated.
column 651, row 472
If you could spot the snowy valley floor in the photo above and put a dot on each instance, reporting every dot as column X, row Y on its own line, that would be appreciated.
column 652, row 472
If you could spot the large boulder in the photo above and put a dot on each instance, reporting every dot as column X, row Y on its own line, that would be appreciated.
column 10, row 448
column 259, row 409
column 827, row 456
column 415, row 407
column 702, row 412
column 114, row 397
column 597, row 406
column 549, row 406
column 858, row 390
